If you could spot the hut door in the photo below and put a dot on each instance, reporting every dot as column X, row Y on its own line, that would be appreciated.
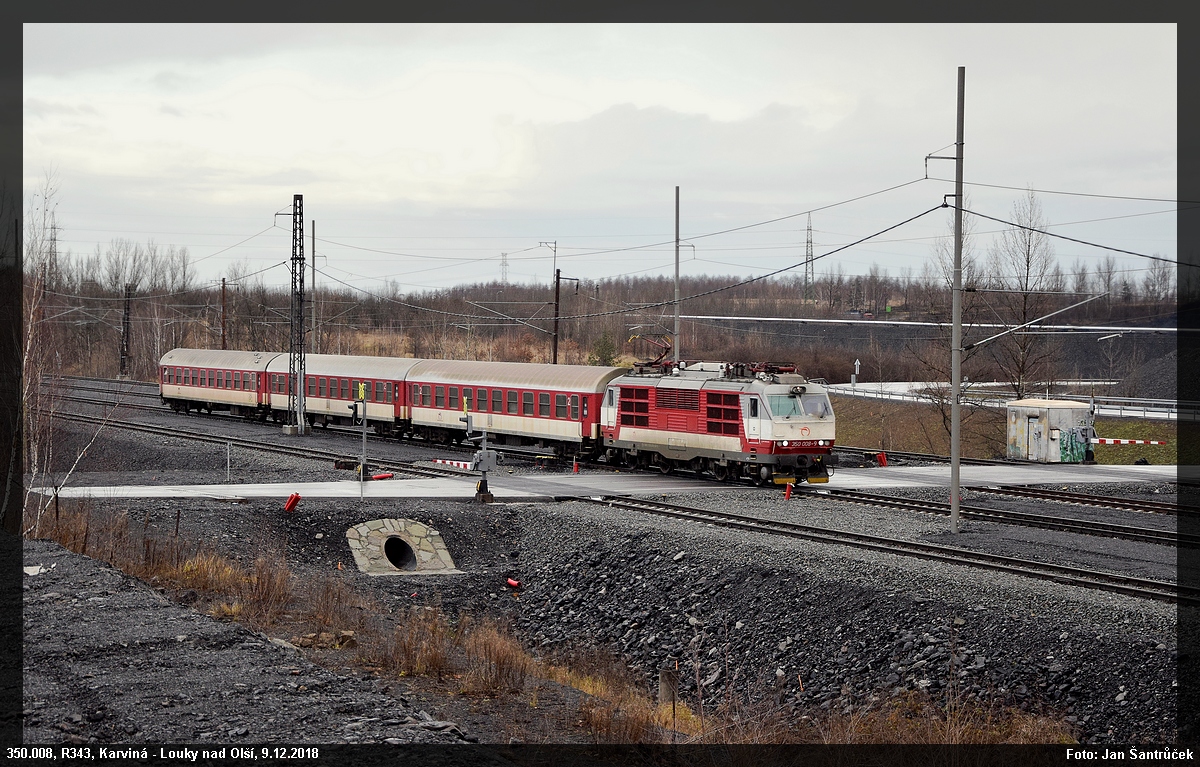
column 1033, row 437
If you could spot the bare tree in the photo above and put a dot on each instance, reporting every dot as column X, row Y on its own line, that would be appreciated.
column 1021, row 279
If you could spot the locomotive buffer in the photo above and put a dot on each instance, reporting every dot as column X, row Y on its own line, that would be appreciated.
column 484, row 460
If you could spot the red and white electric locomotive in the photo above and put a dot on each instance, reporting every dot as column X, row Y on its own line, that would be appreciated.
column 764, row 422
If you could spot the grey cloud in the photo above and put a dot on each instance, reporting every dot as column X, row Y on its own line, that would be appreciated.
column 39, row 108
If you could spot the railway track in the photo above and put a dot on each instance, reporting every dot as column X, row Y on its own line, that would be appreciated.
column 266, row 447
column 1025, row 519
column 1084, row 499
column 1091, row 579
column 867, row 451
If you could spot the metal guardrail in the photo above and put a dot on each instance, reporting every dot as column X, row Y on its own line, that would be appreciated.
column 1113, row 407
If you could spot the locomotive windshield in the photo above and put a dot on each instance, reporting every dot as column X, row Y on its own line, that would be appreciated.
column 787, row 405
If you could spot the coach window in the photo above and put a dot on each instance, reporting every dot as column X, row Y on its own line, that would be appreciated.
column 416, row 395
column 497, row 401
column 527, row 403
column 544, row 405
column 481, row 396
column 426, row 398
column 228, row 379
column 237, row 379
column 345, row 388
column 467, row 395
column 379, row 392
column 453, row 398
column 560, row 406
column 212, row 375
column 439, row 396
column 512, row 402
column 574, row 407
column 585, row 407
column 387, row 392
column 312, row 385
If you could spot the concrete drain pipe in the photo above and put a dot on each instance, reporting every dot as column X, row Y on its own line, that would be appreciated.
column 399, row 547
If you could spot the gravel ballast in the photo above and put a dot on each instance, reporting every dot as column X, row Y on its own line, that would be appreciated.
column 820, row 628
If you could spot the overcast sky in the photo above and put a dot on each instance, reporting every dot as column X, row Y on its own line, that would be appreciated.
column 425, row 151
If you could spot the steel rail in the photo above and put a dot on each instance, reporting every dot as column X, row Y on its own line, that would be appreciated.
column 266, row 447
column 1085, row 499
column 1026, row 519
column 1075, row 576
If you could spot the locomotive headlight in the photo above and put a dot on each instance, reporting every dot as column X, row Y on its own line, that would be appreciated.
column 821, row 442
column 784, row 443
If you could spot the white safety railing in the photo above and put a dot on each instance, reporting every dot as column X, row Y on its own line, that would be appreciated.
column 1112, row 407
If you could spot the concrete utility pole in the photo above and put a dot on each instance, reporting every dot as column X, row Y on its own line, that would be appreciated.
column 675, row 340
column 554, row 338
column 223, row 346
column 313, row 288
column 125, row 330
column 553, row 245
column 956, row 317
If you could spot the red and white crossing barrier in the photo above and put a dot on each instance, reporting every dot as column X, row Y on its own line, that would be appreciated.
column 456, row 464
column 1098, row 441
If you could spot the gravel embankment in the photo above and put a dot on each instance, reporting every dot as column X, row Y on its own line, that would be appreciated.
column 825, row 626
column 107, row 659
column 847, row 626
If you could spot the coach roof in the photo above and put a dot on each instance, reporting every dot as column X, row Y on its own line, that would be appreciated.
column 346, row 366
column 577, row 378
column 218, row 358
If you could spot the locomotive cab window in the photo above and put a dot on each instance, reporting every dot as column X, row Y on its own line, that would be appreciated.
column 784, row 406
column 610, row 397
column 754, row 407
column 816, row 404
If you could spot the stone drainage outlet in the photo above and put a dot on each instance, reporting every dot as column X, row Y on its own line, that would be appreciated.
column 399, row 547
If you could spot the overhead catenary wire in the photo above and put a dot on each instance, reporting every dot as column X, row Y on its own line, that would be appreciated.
column 1070, row 239
column 1071, row 194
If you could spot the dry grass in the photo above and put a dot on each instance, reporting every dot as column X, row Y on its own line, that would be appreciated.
column 331, row 602
column 917, row 719
column 422, row 643
column 496, row 662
